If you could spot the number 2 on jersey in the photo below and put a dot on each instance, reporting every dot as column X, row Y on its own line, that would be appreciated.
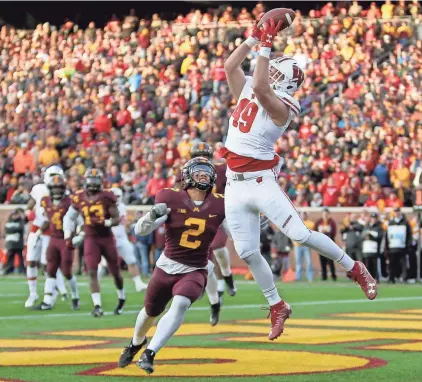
column 184, row 242
column 244, row 115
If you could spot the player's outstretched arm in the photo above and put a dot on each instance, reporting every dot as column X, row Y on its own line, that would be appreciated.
column 234, row 73
column 69, row 222
column 152, row 220
column 276, row 109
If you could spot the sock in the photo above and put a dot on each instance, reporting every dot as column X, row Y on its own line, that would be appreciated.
column 143, row 324
column 31, row 274
column 211, row 289
column 121, row 294
column 138, row 282
column 73, row 286
column 101, row 271
column 49, row 286
column 169, row 323
column 221, row 285
column 222, row 256
column 262, row 274
column 60, row 282
column 96, row 298
column 327, row 248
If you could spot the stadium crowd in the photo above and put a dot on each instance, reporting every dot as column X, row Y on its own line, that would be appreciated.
column 133, row 96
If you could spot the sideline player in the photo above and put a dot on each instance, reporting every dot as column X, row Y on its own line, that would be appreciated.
column 264, row 110
column 125, row 248
column 192, row 216
column 59, row 255
column 99, row 211
column 37, row 241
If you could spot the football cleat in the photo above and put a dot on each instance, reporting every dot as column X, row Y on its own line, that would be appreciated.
column 97, row 312
column 119, row 307
column 75, row 304
column 215, row 314
column 42, row 306
column 361, row 276
column 129, row 353
column 30, row 302
column 231, row 288
column 146, row 362
column 279, row 313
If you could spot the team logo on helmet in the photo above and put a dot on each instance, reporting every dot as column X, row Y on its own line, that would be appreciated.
column 57, row 187
column 201, row 149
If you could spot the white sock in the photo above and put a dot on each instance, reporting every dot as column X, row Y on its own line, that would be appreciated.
column 31, row 274
column 138, row 282
column 60, row 282
column 222, row 256
column 121, row 294
column 143, row 324
column 73, row 286
column 169, row 323
column 96, row 298
column 262, row 274
column 212, row 289
column 101, row 271
column 49, row 286
column 326, row 247
column 221, row 285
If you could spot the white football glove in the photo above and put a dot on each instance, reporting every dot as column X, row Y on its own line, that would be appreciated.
column 78, row 239
column 108, row 222
column 158, row 211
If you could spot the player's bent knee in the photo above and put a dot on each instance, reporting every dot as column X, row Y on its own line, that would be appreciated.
column 244, row 255
column 305, row 238
column 299, row 235
column 152, row 310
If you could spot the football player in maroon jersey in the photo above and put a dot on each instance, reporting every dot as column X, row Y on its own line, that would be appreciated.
column 192, row 216
column 99, row 211
column 59, row 255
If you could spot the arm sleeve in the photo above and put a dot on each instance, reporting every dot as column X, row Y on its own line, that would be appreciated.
column 69, row 222
column 145, row 225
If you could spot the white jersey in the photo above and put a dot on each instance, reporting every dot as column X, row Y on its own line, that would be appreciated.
column 37, row 193
column 252, row 133
column 119, row 231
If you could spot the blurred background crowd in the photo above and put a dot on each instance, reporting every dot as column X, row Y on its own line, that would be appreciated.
column 132, row 96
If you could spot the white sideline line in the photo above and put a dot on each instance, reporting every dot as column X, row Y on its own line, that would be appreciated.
column 227, row 307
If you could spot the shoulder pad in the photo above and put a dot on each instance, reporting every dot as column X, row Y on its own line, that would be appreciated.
column 290, row 101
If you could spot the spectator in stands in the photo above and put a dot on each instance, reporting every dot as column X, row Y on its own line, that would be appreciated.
column 327, row 226
column 280, row 251
column 372, row 237
column 14, row 236
column 351, row 234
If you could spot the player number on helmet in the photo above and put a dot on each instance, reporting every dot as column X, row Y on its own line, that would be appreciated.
column 184, row 240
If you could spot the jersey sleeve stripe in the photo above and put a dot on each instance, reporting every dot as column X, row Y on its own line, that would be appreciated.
column 295, row 109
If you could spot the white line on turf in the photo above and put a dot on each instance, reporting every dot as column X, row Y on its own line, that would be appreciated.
column 226, row 307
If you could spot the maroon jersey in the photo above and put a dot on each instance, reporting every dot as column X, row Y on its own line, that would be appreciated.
column 94, row 210
column 55, row 214
column 220, row 183
column 190, row 229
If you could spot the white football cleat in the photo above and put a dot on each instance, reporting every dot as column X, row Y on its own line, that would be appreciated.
column 30, row 302
column 141, row 287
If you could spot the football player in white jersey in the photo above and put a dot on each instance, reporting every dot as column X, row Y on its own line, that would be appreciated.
column 264, row 110
column 125, row 248
column 37, row 243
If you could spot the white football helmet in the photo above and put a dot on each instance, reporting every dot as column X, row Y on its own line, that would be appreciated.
column 118, row 193
column 51, row 172
column 285, row 75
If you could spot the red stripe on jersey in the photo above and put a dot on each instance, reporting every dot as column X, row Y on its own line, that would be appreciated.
column 239, row 163
column 292, row 106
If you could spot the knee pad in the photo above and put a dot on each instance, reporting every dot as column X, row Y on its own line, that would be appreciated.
column 244, row 250
column 300, row 234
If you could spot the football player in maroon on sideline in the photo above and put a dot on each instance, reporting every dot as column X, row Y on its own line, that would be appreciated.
column 59, row 255
column 99, row 211
column 192, row 216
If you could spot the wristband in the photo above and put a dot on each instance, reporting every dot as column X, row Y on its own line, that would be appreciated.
column 251, row 42
column 265, row 52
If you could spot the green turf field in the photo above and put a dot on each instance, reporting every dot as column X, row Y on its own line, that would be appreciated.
column 335, row 334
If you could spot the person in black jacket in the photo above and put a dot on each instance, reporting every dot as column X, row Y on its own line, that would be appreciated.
column 14, row 232
column 398, row 241
column 351, row 235
column 372, row 237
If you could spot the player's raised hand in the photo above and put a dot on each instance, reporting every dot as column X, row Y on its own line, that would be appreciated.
column 256, row 32
column 268, row 32
column 159, row 209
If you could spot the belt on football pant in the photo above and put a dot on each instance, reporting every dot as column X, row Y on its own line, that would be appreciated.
column 242, row 177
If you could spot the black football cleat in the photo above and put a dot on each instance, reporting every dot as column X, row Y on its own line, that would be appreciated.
column 220, row 297
column 97, row 312
column 119, row 307
column 215, row 314
column 129, row 352
column 42, row 306
column 146, row 362
column 75, row 304
column 231, row 288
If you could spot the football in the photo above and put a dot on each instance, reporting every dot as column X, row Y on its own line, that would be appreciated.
column 286, row 16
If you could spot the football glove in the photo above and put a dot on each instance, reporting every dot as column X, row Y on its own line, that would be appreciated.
column 268, row 32
column 158, row 211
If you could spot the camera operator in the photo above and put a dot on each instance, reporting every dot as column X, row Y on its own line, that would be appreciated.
column 352, row 236
column 14, row 232
column 372, row 237
column 398, row 242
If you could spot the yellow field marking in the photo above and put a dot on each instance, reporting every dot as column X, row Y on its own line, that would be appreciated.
column 353, row 324
column 415, row 311
column 245, row 362
column 415, row 346
column 45, row 343
column 308, row 336
column 392, row 316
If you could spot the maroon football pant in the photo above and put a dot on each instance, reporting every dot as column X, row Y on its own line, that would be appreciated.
column 163, row 287
column 95, row 247
column 59, row 256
